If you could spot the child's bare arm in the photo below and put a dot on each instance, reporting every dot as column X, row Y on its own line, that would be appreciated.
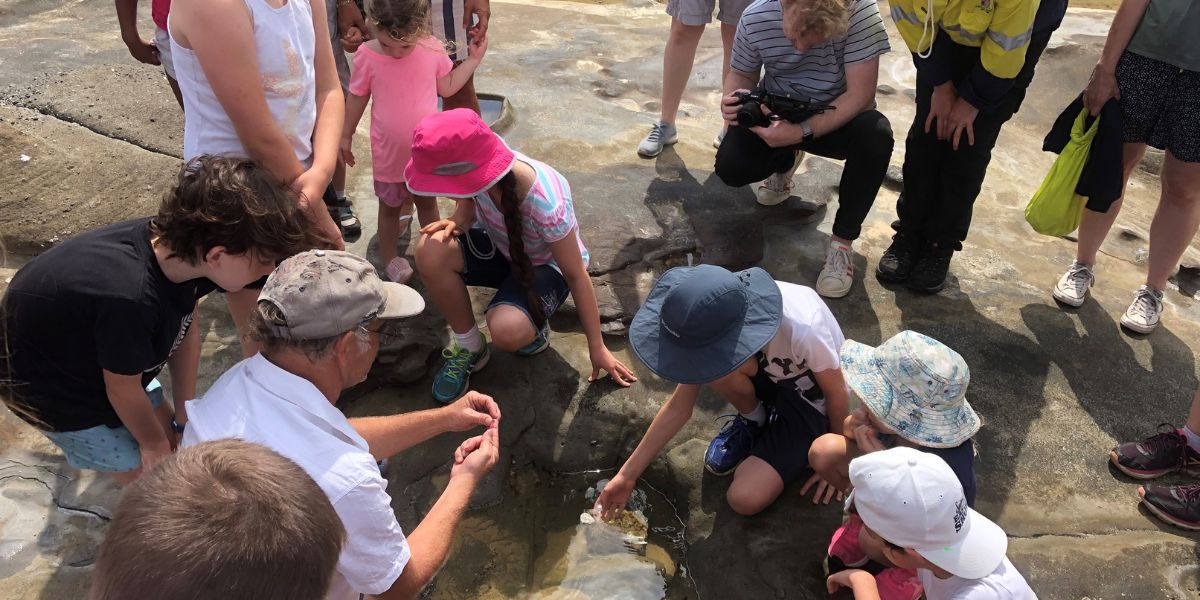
column 456, row 78
column 355, row 107
column 837, row 399
column 139, row 48
column 859, row 581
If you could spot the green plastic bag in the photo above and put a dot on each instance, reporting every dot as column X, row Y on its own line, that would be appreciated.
column 1055, row 208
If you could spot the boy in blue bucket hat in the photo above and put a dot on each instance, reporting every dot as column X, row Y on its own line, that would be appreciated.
column 768, row 348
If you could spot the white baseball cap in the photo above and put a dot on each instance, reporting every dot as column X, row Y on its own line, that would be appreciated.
column 913, row 500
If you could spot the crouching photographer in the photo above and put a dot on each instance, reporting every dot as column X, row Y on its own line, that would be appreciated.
column 821, row 64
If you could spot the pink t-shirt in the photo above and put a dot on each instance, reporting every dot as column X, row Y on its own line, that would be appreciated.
column 404, row 91
column 158, row 12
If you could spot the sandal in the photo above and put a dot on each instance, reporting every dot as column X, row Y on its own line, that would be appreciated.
column 343, row 214
column 399, row 270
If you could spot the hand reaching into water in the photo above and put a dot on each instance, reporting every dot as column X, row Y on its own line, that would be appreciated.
column 614, row 497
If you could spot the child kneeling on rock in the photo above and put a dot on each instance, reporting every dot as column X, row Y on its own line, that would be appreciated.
column 768, row 348
column 915, row 513
column 913, row 392
column 528, row 248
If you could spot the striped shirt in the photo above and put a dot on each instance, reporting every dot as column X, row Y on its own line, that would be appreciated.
column 818, row 73
column 548, row 216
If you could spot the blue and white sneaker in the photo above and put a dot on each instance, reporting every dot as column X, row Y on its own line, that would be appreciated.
column 452, row 379
column 539, row 344
column 732, row 445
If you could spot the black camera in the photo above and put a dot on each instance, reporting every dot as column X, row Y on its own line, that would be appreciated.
column 781, row 107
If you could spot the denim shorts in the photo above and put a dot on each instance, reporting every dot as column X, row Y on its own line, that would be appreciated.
column 484, row 266
column 104, row 448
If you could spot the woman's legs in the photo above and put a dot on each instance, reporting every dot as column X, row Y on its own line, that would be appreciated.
column 678, row 58
column 440, row 263
column 1175, row 221
column 1094, row 226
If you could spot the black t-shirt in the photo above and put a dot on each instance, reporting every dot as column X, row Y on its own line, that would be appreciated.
column 97, row 301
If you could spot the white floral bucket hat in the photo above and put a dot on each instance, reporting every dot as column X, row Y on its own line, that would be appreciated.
column 916, row 385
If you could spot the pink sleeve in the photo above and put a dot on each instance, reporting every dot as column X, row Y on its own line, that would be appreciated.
column 444, row 65
column 360, row 77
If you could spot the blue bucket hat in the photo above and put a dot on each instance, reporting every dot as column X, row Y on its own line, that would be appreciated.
column 700, row 323
column 916, row 385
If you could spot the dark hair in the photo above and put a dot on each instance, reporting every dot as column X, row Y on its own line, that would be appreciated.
column 510, row 205
column 234, row 203
column 222, row 520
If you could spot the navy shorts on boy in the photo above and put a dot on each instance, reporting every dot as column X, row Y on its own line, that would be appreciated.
column 484, row 266
column 960, row 458
column 809, row 340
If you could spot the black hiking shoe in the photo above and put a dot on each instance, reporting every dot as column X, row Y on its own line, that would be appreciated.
column 929, row 274
column 1157, row 455
column 1178, row 505
column 897, row 262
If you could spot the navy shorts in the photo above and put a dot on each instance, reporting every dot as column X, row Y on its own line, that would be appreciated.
column 789, row 433
column 484, row 266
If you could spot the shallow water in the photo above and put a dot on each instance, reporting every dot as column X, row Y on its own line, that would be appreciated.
column 533, row 545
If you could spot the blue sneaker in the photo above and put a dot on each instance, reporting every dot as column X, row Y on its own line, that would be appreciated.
column 540, row 343
column 731, row 446
column 452, row 379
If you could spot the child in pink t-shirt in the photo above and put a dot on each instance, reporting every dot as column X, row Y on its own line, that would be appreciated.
column 405, row 69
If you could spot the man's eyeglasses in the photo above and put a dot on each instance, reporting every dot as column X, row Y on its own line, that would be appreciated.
column 385, row 338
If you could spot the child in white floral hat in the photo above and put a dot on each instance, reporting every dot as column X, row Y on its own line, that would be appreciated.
column 913, row 393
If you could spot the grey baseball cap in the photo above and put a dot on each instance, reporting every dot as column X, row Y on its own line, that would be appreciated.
column 323, row 293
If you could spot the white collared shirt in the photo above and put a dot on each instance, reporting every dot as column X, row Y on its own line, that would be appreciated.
column 258, row 402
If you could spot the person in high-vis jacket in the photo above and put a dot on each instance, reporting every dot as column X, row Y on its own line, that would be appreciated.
column 974, row 60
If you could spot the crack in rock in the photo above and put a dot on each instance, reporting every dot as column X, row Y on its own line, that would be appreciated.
column 57, row 504
column 54, row 114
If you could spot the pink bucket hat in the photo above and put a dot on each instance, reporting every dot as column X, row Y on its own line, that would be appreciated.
column 456, row 155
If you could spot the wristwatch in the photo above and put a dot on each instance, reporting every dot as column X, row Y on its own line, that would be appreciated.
column 808, row 132
column 176, row 426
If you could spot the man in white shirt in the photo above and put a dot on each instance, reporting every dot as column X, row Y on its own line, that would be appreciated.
column 319, row 319
column 914, row 512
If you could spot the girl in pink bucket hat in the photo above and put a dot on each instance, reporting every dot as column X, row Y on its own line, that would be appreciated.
column 526, row 245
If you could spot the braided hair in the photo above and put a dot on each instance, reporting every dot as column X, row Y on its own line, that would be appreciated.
column 510, row 206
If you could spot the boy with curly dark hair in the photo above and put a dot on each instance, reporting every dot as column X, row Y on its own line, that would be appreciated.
column 89, row 324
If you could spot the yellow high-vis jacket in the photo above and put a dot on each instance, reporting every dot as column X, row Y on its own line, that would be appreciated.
column 1001, row 29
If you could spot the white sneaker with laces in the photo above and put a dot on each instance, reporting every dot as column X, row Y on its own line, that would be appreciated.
column 1072, row 288
column 837, row 276
column 778, row 187
column 1145, row 311
column 661, row 134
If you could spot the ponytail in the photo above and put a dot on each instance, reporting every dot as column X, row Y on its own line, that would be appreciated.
column 510, row 205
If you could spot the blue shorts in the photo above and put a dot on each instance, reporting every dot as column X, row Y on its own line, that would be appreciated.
column 791, row 429
column 104, row 448
column 484, row 266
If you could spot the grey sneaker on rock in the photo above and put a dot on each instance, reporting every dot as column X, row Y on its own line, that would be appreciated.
column 1144, row 312
column 778, row 187
column 1072, row 288
column 661, row 134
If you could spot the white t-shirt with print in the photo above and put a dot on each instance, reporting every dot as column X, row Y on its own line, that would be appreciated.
column 1005, row 583
column 809, row 339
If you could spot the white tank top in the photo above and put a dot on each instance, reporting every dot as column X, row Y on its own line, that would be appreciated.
column 284, row 48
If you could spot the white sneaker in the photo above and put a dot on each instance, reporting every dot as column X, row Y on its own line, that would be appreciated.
column 837, row 276
column 661, row 134
column 778, row 187
column 399, row 270
column 1145, row 311
column 1072, row 288
column 720, row 138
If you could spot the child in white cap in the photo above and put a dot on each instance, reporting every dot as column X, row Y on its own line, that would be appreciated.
column 913, row 507
column 913, row 393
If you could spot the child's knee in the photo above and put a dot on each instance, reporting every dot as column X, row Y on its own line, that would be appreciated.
column 510, row 328
column 827, row 453
column 746, row 501
column 433, row 251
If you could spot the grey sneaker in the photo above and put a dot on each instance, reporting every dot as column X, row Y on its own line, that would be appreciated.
column 778, row 187
column 837, row 276
column 661, row 134
column 1145, row 311
column 1072, row 288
